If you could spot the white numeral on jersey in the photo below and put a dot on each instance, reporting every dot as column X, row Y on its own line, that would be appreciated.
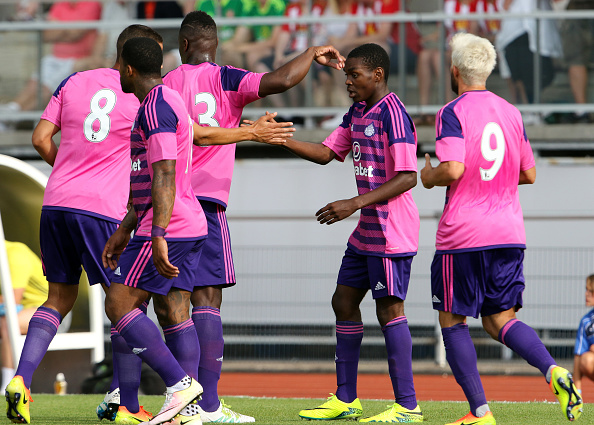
column 189, row 164
column 207, row 118
column 496, row 155
column 101, row 114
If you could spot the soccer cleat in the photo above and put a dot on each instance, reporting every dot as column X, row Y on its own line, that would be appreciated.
column 564, row 389
column 224, row 414
column 18, row 397
column 189, row 415
column 397, row 414
column 108, row 408
column 175, row 401
column 334, row 409
column 470, row 419
column 124, row 417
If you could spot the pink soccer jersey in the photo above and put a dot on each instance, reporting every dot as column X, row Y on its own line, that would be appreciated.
column 91, row 174
column 384, row 142
column 163, row 131
column 214, row 96
column 482, row 208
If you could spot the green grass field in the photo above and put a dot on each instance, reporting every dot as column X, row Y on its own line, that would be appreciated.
column 80, row 409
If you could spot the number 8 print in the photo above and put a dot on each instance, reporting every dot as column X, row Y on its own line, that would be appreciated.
column 101, row 114
column 496, row 155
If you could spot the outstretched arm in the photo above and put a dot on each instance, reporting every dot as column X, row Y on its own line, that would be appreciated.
column 263, row 130
column 293, row 72
column 339, row 210
column 314, row 152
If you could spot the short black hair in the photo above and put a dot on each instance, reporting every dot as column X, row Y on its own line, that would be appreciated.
column 373, row 56
column 133, row 31
column 143, row 54
column 198, row 23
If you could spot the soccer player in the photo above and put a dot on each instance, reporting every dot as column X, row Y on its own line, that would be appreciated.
column 383, row 140
column 85, row 199
column 215, row 96
column 477, row 269
column 583, row 361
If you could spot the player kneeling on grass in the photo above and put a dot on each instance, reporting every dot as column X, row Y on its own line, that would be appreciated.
column 382, row 137
column 583, row 364
column 478, row 265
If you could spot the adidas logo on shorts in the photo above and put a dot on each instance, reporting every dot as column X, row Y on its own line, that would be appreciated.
column 435, row 299
column 379, row 286
column 117, row 272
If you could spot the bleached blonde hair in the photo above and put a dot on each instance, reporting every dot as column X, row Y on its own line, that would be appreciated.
column 474, row 56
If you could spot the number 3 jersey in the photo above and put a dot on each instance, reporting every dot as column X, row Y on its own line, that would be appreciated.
column 383, row 141
column 482, row 208
column 91, row 173
column 215, row 96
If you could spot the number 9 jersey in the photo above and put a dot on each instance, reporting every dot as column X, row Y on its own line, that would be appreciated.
column 91, row 173
column 482, row 207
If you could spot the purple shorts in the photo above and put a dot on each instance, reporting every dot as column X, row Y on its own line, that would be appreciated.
column 385, row 276
column 216, row 262
column 136, row 269
column 68, row 240
column 478, row 282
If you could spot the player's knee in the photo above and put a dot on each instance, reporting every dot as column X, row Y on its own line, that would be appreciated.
column 587, row 364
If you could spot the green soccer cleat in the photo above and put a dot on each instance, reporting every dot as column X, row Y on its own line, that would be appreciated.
column 18, row 397
column 334, row 409
column 397, row 414
column 470, row 419
column 124, row 417
column 562, row 386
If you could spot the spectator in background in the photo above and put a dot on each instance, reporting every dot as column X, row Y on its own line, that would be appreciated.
column 262, row 38
column 229, row 36
column 329, row 89
column 429, row 63
column 70, row 48
column 577, row 36
column 164, row 10
column 583, row 363
column 30, row 291
column 518, row 40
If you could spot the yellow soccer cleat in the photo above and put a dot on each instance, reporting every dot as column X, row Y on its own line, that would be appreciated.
column 470, row 419
column 397, row 414
column 562, row 386
column 18, row 397
column 124, row 417
column 334, row 409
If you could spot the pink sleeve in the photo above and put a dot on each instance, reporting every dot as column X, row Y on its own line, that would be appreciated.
column 450, row 149
column 340, row 142
column 405, row 156
column 248, row 89
column 53, row 110
column 162, row 146
column 449, row 143
column 526, row 155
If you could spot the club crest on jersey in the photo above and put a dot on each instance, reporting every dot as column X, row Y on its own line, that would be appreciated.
column 369, row 130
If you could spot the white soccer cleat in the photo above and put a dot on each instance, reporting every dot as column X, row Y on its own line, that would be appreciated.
column 176, row 400
column 108, row 408
column 224, row 415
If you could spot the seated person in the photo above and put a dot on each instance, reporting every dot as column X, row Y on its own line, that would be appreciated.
column 583, row 363
column 30, row 291
column 69, row 47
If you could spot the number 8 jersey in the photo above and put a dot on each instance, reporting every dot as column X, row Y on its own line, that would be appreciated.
column 482, row 208
column 91, row 174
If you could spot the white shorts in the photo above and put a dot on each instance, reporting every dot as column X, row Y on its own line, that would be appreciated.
column 54, row 70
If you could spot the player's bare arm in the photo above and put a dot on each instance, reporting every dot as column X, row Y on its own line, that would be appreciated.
column 293, row 72
column 528, row 176
column 264, row 130
column 339, row 210
column 163, row 192
column 117, row 242
column 314, row 152
column 444, row 174
column 43, row 141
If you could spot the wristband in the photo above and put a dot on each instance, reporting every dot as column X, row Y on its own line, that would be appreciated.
column 157, row 232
